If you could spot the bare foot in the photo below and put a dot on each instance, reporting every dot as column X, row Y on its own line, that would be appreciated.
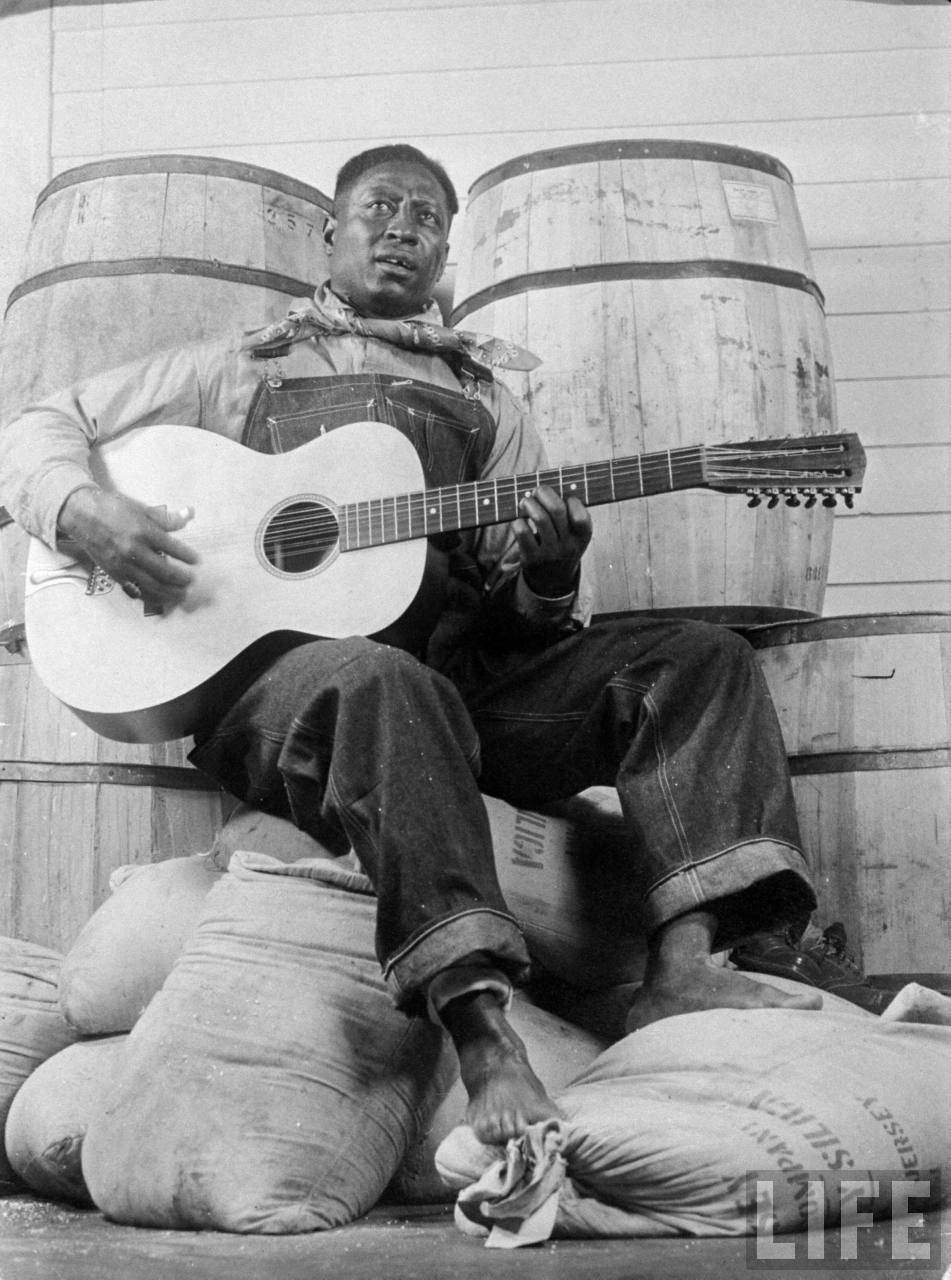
column 682, row 978
column 505, row 1095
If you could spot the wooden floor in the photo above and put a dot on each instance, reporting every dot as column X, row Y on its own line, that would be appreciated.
column 44, row 1241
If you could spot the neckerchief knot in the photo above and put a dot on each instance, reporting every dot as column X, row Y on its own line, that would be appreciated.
column 325, row 314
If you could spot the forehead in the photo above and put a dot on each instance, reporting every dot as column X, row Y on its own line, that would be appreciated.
column 403, row 178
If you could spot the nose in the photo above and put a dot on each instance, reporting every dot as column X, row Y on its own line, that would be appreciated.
column 401, row 226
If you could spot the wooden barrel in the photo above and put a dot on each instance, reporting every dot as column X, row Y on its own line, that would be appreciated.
column 74, row 806
column 128, row 256
column 668, row 289
column 124, row 257
column 865, row 707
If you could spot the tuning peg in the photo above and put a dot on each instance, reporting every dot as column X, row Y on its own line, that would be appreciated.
column 810, row 499
column 755, row 498
column 829, row 500
column 849, row 499
column 792, row 498
column 773, row 500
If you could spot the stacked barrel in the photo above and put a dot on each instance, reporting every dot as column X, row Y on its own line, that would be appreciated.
column 668, row 289
column 124, row 257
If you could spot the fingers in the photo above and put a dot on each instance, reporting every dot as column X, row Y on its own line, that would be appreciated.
column 155, row 565
column 546, row 515
column 551, row 536
column 133, row 544
column 172, row 518
column 173, row 552
column 152, row 575
column 580, row 519
column 550, row 528
column 170, row 521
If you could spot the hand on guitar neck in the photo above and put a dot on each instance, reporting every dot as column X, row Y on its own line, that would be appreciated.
column 552, row 535
column 131, row 542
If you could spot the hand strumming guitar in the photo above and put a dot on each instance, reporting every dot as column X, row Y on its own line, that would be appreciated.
column 130, row 542
column 552, row 536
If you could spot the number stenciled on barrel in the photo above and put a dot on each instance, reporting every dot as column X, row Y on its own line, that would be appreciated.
column 289, row 220
column 299, row 536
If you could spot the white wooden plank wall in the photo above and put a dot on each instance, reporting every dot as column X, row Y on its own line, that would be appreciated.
column 852, row 95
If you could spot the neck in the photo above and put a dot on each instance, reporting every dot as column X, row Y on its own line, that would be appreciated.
column 483, row 502
column 366, row 314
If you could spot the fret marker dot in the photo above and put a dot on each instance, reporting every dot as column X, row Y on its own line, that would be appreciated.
column 432, row 511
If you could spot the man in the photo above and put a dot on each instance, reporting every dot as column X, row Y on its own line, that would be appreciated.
column 383, row 744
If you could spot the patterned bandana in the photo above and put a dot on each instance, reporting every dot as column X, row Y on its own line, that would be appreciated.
column 475, row 353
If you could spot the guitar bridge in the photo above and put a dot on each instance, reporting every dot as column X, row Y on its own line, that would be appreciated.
column 99, row 582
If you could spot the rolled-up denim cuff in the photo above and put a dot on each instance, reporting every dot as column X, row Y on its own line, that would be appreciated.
column 737, row 884
column 410, row 970
column 464, row 980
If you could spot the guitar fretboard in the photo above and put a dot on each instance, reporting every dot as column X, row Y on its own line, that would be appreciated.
column 375, row 521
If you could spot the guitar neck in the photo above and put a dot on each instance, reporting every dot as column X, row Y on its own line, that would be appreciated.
column 376, row 521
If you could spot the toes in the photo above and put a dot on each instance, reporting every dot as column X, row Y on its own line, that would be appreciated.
column 638, row 1015
column 494, row 1128
column 808, row 1000
column 496, row 1131
column 773, row 998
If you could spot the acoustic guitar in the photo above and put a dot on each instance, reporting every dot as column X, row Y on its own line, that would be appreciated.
column 327, row 540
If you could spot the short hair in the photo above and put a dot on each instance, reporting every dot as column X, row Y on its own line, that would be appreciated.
column 358, row 165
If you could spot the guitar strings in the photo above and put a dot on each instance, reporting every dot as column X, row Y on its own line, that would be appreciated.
column 297, row 530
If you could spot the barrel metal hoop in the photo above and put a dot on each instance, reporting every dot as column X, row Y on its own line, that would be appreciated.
column 630, row 149
column 231, row 272
column 596, row 272
column 174, row 777
column 866, row 761
column 847, row 627
column 208, row 166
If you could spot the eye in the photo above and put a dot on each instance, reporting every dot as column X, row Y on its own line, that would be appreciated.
column 380, row 206
column 430, row 216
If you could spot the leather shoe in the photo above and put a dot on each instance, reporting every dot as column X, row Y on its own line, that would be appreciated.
column 817, row 959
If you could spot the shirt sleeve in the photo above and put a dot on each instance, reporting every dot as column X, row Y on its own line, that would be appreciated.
column 518, row 450
column 46, row 448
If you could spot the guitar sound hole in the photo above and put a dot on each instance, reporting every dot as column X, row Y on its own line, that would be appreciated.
column 299, row 537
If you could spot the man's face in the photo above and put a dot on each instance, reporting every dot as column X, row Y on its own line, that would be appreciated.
column 388, row 241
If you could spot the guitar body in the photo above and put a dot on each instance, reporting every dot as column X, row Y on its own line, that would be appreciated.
column 141, row 677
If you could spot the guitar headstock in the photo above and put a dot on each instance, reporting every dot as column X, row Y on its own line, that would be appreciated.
column 802, row 470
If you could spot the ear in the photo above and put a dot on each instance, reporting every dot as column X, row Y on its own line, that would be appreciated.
column 330, row 226
column 445, row 259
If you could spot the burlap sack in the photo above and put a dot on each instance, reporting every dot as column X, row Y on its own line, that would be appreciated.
column 48, row 1118
column 32, row 1028
column 271, row 1085
column 666, row 1132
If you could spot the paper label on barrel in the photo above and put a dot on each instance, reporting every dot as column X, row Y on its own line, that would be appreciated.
column 750, row 202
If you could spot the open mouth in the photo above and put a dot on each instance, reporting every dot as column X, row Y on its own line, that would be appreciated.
column 403, row 266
